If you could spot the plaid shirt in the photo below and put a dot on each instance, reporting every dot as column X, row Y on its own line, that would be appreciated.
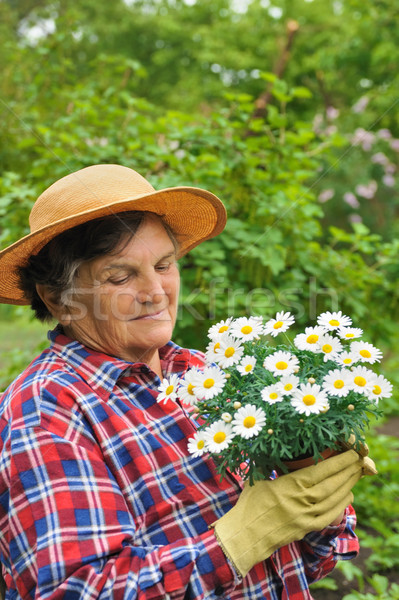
column 99, row 498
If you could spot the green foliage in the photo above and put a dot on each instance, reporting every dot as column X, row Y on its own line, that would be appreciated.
column 382, row 588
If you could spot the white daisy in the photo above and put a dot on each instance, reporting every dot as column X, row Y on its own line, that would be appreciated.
column 337, row 383
column 348, row 333
column 246, row 328
column 366, row 352
column 310, row 339
column 382, row 389
column 272, row 394
column 281, row 363
column 168, row 389
column 330, row 346
column 362, row 379
column 346, row 359
column 196, row 444
column 310, row 399
column 230, row 352
column 211, row 351
column 279, row 324
column 219, row 328
column 218, row 436
column 248, row 421
column 246, row 365
column 209, row 382
column 288, row 384
column 333, row 320
column 186, row 391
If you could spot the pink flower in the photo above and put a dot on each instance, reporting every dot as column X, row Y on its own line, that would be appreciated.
column 351, row 199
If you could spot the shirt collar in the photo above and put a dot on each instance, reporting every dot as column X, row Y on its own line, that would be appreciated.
column 101, row 371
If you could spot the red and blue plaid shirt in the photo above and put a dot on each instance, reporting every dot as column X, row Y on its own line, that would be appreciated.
column 99, row 498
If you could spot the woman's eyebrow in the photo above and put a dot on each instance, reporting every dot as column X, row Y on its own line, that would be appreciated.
column 129, row 266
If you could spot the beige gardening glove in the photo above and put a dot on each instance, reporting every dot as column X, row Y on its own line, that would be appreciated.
column 363, row 450
column 271, row 514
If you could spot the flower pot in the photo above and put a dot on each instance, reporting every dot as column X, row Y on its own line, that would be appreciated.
column 301, row 463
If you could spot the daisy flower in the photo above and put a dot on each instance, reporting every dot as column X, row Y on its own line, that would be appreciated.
column 329, row 346
column 168, row 389
column 272, row 394
column 310, row 399
column 246, row 328
column 219, row 328
column 218, row 436
column 348, row 333
column 310, row 339
column 187, row 386
column 362, row 380
column 209, row 383
column 382, row 389
column 246, row 365
column 337, row 383
column 211, row 350
column 279, row 324
column 196, row 444
column 288, row 384
column 366, row 352
column 281, row 363
column 333, row 320
column 248, row 421
column 230, row 352
column 346, row 359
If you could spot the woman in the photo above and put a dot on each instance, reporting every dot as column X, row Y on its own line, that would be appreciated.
column 99, row 497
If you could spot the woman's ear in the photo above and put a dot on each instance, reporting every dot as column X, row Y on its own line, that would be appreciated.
column 59, row 312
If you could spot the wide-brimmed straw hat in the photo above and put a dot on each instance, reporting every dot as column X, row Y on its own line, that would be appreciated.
column 193, row 214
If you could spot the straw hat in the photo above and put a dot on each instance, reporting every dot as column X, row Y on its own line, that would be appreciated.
column 193, row 214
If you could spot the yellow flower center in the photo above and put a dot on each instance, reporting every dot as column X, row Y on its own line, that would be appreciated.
column 223, row 328
column 376, row 389
column 169, row 390
column 219, row 437
column 365, row 353
column 360, row 381
column 208, row 383
column 278, row 324
column 229, row 352
column 349, row 335
column 248, row 368
column 312, row 339
column 334, row 323
column 347, row 361
column 249, row 422
column 246, row 329
column 327, row 348
column 273, row 396
column 190, row 389
column 288, row 386
column 281, row 365
column 309, row 399
column 200, row 444
column 216, row 346
column 339, row 384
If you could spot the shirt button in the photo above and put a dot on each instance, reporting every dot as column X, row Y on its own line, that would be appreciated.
column 219, row 590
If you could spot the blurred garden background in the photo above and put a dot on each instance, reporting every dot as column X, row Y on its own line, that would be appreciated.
column 285, row 109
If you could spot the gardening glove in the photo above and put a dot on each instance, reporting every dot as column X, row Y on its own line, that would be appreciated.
column 363, row 450
column 271, row 514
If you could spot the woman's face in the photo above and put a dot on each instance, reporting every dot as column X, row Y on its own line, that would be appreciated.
column 125, row 304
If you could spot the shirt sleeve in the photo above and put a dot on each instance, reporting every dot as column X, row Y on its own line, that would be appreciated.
column 322, row 549
column 69, row 533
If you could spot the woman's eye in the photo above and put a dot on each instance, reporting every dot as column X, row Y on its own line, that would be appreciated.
column 118, row 280
column 163, row 267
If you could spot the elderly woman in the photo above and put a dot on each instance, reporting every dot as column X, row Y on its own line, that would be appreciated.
column 99, row 498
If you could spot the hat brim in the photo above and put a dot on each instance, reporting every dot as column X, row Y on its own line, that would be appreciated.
column 193, row 214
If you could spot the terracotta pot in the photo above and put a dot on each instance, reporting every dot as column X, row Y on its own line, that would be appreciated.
column 294, row 465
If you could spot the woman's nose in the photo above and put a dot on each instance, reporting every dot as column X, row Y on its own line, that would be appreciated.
column 150, row 291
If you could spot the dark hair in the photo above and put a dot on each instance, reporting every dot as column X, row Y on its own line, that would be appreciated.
column 57, row 263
